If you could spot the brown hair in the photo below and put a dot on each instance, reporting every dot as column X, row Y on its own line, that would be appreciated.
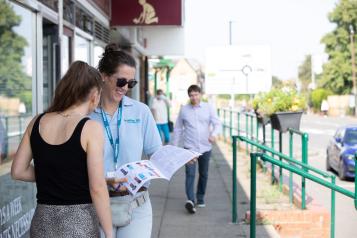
column 114, row 57
column 75, row 86
column 193, row 88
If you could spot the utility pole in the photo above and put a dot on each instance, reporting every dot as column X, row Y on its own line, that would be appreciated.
column 353, row 66
column 230, row 43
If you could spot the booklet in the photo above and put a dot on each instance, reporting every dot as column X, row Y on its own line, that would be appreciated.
column 162, row 164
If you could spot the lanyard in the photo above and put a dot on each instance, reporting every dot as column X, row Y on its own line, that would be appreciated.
column 109, row 133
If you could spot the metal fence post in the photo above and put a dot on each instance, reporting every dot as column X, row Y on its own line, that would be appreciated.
column 251, row 132
column 230, row 123
column 238, row 126
column 224, row 125
column 280, row 168
column 246, row 132
column 257, row 130
column 253, row 188
column 291, row 154
column 234, row 182
column 305, row 139
column 333, row 202
column 7, row 129
column 272, row 146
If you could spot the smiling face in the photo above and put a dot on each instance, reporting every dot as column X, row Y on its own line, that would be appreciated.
column 110, row 89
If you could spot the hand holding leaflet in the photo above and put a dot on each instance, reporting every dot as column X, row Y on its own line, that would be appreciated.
column 162, row 164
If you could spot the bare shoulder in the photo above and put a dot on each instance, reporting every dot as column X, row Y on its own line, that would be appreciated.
column 93, row 129
column 30, row 125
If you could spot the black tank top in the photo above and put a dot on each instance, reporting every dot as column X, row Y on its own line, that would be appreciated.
column 60, row 170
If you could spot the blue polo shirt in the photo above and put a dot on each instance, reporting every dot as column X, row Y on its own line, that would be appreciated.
column 138, row 133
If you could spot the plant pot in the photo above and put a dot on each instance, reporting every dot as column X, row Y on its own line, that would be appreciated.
column 262, row 119
column 282, row 121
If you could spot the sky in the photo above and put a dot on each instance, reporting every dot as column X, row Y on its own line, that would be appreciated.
column 292, row 29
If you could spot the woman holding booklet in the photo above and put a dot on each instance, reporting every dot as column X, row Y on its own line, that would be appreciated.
column 129, row 131
column 67, row 150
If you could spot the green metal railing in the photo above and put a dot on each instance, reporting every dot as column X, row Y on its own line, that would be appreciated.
column 292, row 166
column 251, row 125
column 13, row 127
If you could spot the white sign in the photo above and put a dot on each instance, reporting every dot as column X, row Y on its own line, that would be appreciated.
column 238, row 70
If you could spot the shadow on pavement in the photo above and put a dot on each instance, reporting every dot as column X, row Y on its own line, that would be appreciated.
column 171, row 220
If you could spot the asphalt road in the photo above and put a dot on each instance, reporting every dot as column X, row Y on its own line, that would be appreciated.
column 320, row 130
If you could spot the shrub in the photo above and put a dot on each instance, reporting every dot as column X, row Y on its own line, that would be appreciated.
column 317, row 96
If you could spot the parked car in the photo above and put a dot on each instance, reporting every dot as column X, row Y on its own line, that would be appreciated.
column 340, row 153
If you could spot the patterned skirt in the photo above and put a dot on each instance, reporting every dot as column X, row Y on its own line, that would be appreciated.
column 65, row 221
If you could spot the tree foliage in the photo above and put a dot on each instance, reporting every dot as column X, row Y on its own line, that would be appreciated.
column 13, row 81
column 305, row 73
column 337, row 72
column 276, row 82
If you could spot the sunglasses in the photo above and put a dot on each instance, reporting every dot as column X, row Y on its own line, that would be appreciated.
column 121, row 82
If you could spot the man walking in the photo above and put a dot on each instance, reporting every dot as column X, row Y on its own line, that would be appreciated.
column 159, row 109
column 198, row 126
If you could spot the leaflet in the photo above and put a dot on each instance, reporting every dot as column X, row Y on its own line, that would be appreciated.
column 162, row 165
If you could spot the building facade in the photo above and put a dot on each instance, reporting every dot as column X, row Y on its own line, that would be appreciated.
column 38, row 42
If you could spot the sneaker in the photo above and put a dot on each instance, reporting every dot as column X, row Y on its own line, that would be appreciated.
column 190, row 207
column 201, row 205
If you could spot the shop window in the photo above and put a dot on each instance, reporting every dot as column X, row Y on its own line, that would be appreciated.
column 82, row 49
column 53, row 4
column 16, row 64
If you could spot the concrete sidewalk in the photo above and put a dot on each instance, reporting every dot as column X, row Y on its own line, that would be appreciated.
column 171, row 219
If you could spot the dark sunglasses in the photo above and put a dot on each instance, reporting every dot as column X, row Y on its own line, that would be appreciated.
column 121, row 82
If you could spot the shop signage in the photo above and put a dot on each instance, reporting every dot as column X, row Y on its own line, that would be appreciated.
column 146, row 12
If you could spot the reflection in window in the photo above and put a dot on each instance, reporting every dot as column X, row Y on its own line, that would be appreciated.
column 82, row 49
column 65, row 54
column 98, row 52
column 15, row 76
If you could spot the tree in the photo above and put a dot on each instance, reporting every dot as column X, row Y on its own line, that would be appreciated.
column 305, row 73
column 337, row 72
column 276, row 82
column 13, row 81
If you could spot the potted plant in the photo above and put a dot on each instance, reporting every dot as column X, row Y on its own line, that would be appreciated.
column 283, row 106
column 262, row 107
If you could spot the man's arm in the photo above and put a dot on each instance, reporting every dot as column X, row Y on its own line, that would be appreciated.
column 215, row 122
column 178, row 129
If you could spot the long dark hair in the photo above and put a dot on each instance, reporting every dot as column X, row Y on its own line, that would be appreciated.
column 75, row 86
column 112, row 58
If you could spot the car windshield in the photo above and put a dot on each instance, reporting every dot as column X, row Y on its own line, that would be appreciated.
column 351, row 136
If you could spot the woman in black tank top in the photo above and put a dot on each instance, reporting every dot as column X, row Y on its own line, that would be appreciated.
column 67, row 151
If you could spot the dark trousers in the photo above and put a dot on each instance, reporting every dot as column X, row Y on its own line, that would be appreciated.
column 203, row 163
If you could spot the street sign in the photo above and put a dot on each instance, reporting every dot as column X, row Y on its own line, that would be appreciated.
column 238, row 69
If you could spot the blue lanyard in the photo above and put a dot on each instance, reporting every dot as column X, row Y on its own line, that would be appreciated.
column 109, row 133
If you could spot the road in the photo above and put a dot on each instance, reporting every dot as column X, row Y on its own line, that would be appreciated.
column 320, row 130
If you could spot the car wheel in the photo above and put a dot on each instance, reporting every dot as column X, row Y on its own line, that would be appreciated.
column 341, row 171
column 328, row 166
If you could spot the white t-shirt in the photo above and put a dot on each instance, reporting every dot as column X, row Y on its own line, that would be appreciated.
column 160, row 110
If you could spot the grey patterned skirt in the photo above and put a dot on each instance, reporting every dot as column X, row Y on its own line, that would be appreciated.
column 65, row 221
